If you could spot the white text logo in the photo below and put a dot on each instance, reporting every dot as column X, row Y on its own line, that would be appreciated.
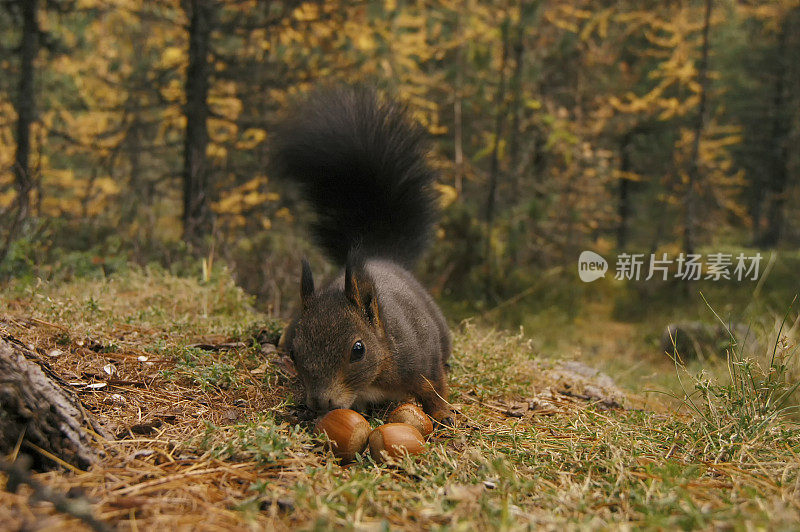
column 591, row 266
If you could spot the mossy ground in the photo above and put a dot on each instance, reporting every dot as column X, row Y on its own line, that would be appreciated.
column 207, row 433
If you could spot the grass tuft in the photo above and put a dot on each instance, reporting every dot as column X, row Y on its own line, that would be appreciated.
column 752, row 408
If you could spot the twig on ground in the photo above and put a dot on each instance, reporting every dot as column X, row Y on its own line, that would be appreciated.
column 18, row 473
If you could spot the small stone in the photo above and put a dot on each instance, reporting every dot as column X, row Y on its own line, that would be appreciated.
column 266, row 349
column 518, row 409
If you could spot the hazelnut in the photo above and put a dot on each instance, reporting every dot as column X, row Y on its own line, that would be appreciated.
column 414, row 416
column 347, row 430
column 392, row 440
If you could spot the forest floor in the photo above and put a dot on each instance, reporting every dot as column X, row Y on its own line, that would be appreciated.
column 208, row 433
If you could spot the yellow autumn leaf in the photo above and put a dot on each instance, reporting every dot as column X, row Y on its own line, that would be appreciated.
column 535, row 104
column 306, row 12
column 107, row 185
column 447, row 194
column 215, row 151
column 253, row 198
column 63, row 178
column 227, row 204
column 365, row 42
column 284, row 213
column 251, row 138
column 228, row 106
column 238, row 220
column 173, row 91
column 7, row 198
column 253, row 184
column 172, row 56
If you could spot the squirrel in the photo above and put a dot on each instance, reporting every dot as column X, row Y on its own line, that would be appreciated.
column 373, row 333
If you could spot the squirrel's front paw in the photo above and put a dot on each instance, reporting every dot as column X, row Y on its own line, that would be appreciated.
column 445, row 417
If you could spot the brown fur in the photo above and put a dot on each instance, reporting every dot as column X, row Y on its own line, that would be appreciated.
column 406, row 339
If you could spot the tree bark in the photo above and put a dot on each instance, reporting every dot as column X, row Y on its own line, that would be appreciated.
column 515, row 87
column 779, row 175
column 690, row 220
column 28, row 49
column 494, row 165
column 36, row 408
column 624, row 207
column 196, row 175
column 458, row 125
column 25, row 107
column 500, row 107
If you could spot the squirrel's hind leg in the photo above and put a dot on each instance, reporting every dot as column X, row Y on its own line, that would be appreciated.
column 433, row 396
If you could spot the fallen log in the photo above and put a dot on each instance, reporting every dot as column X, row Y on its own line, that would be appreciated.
column 40, row 415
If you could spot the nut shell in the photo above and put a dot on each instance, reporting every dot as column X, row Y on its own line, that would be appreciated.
column 347, row 430
column 414, row 416
column 393, row 440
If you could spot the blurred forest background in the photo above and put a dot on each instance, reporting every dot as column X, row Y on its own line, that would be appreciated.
column 138, row 132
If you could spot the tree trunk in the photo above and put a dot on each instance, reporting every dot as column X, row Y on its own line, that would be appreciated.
column 28, row 49
column 515, row 87
column 778, row 177
column 755, row 204
column 37, row 411
column 458, row 126
column 494, row 165
column 196, row 208
column 624, row 207
column 23, row 182
column 690, row 220
column 135, row 181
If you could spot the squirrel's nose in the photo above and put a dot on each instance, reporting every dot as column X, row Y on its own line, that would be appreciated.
column 312, row 403
column 320, row 404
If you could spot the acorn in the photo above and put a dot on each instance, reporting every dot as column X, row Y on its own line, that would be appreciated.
column 347, row 430
column 414, row 416
column 393, row 440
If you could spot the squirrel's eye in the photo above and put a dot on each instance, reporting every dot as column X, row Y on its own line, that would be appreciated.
column 358, row 351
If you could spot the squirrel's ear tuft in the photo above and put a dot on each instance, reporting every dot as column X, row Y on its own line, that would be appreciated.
column 360, row 291
column 306, row 284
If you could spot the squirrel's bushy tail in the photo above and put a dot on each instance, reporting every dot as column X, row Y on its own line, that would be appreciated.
column 361, row 164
